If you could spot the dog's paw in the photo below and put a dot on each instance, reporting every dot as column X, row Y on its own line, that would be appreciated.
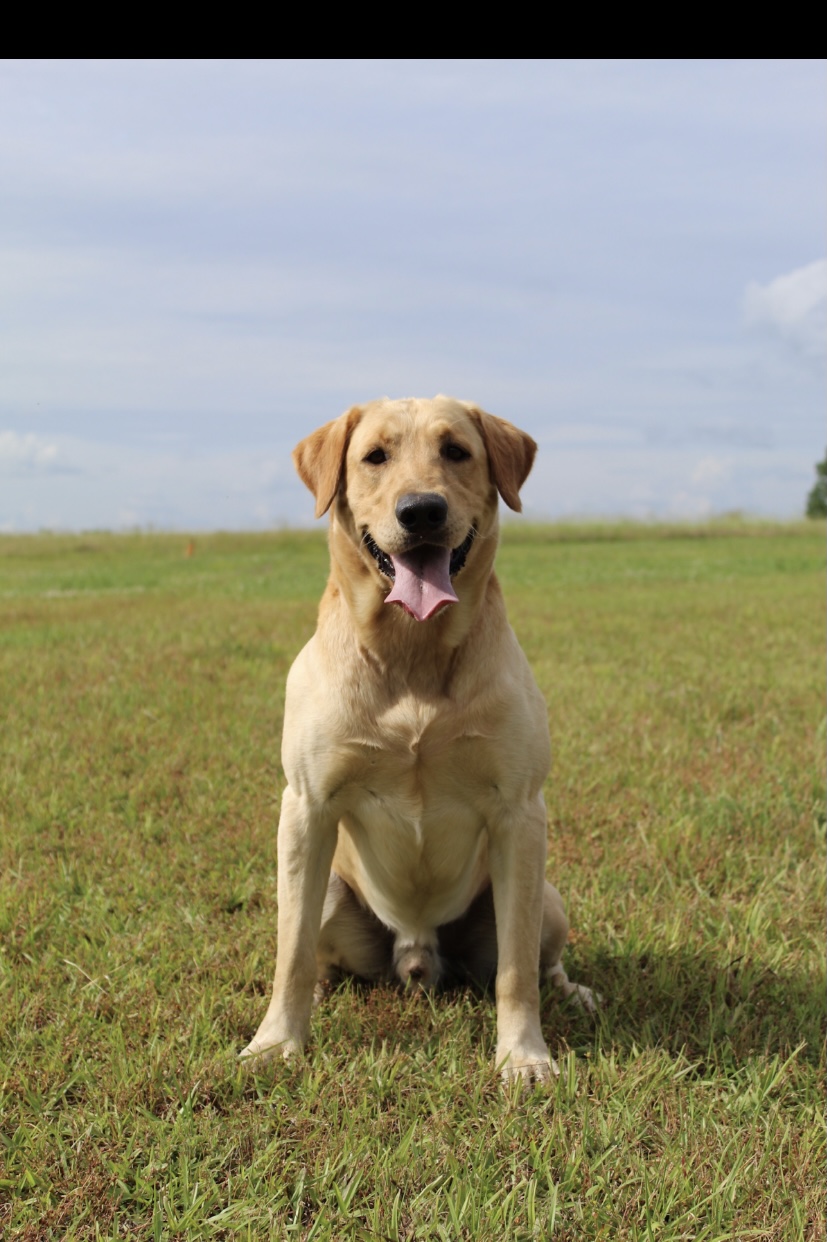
column 417, row 965
column 258, row 1052
column 583, row 997
column 323, row 990
column 588, row 1000
column 527, row 1066
column 529, row 1074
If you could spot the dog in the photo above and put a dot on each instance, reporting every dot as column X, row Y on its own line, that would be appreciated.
column 412, row 837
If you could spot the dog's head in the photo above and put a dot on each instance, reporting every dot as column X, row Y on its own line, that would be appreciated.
column 415, row 485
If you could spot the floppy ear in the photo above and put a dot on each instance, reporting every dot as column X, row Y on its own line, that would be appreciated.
column 510, row 455
column 320, row 459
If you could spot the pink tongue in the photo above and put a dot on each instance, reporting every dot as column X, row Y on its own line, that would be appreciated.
column 423, row 582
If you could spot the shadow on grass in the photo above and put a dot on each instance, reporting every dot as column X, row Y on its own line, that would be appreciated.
column 686, row 1003
column 680, row 1002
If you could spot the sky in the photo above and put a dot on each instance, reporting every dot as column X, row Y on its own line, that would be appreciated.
column 202, row 261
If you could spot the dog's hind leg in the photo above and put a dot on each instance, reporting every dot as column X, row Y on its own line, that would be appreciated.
column 469, row 945
column 552, row 943
column 352, row 940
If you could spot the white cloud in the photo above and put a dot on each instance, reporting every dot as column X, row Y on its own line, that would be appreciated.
column 95, row 485
column 710, row 472
column 794, row 307
column 665, row 481
column 26, row 451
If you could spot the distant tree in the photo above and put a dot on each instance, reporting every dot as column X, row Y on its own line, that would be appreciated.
column 817, row 499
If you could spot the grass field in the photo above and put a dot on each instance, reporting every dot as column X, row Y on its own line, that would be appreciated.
column 141, row 695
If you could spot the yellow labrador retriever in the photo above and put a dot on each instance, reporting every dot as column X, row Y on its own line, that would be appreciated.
column 412, row 838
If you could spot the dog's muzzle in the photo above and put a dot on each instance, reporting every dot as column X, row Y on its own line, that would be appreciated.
column 421, row 575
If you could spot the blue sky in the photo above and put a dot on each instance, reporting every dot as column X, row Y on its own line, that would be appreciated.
column 201, row 261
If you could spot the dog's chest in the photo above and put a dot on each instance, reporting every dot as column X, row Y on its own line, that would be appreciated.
column 416, row 740
column 411, row 728
column 418, row 773
column 414, row 815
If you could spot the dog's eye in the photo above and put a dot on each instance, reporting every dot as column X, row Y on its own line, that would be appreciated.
column 377, row 457
column 455, row 452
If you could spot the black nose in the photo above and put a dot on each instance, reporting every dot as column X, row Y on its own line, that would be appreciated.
column 422, row 513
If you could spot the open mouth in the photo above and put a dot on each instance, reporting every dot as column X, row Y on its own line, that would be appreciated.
column 422, row 575
column 386, row 565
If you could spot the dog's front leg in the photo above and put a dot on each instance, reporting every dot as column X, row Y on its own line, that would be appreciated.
column 517, row 861
column 306, row 842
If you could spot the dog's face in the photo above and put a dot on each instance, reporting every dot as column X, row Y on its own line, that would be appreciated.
column 415, row 485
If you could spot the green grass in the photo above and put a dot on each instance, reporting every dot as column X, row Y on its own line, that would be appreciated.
column 142, row 694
